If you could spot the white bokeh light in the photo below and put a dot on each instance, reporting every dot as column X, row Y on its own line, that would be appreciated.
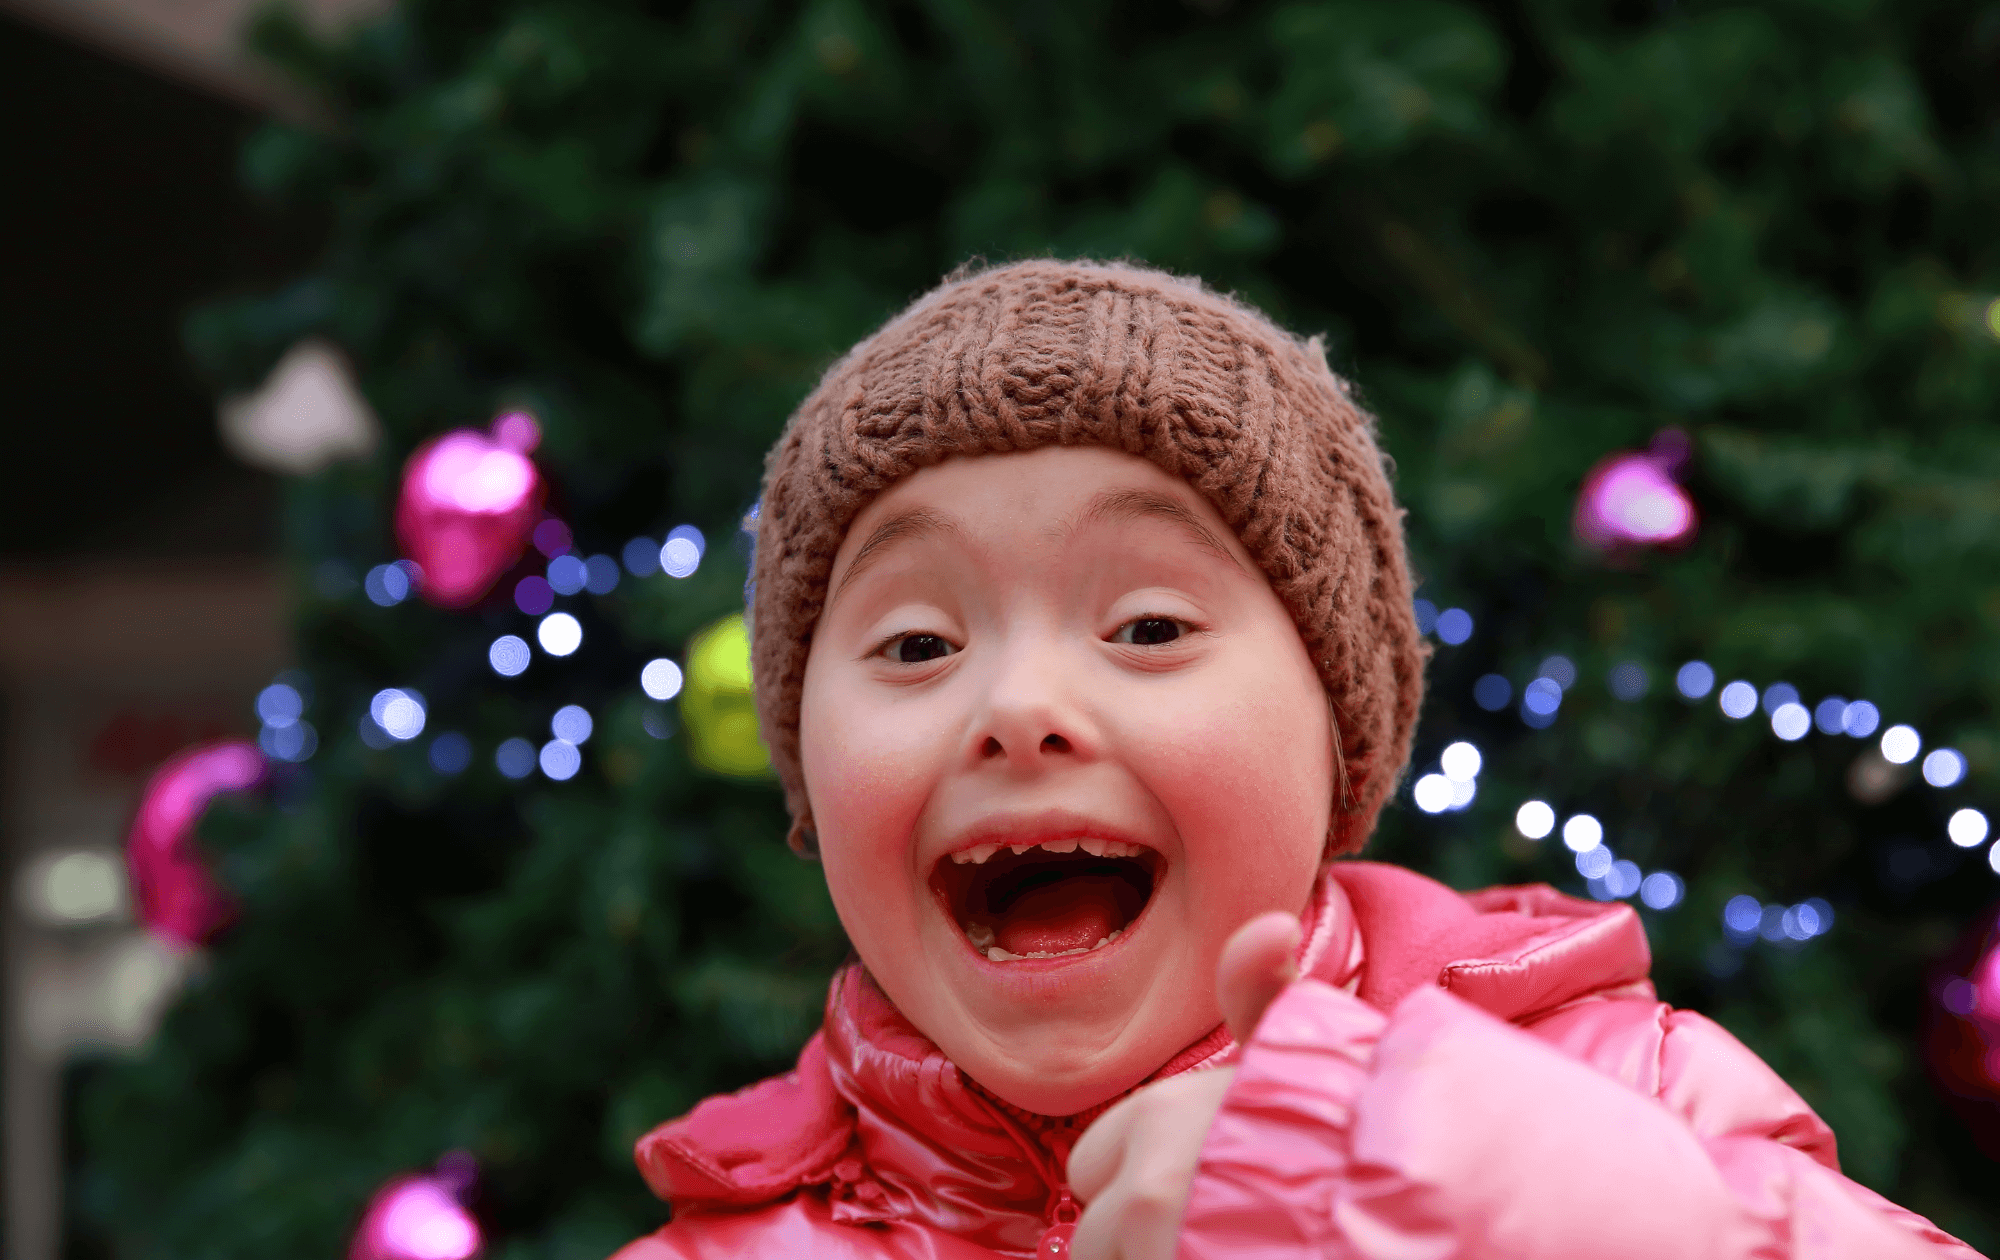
column 1543, row 697
column 681, row 554
column 509, row 655
column 560, row 759
column 399, row 712
column 1944, row 767
column 294, row 742
column 559, row 634
column 660, row 679
column 1738, row 700
column 1967, row 828
column 1463, row 792
column 1742, row 915
column 1583, row 833
column 1594, row 863
column 280, row 705
column 1695, row 679
column 1860, row 719
column 1790, row 721
column 1622, row 880
column 1535, row 819
column 1460, row 762
column 1900, row 744
column 572, row 724
column 1432, row 793
column 1662, row 890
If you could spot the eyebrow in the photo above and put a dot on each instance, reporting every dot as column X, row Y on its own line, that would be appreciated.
column 902, row 527
column 1133, row 505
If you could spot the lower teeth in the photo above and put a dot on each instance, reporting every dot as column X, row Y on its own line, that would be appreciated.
column 981, row 937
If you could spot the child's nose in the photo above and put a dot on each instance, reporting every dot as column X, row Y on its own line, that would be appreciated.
column 1031, row 721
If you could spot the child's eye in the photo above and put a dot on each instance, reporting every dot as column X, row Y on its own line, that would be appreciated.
column 914, row 649
column 1147, row 631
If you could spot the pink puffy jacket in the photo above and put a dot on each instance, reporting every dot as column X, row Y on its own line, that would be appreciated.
column 1473, row 1076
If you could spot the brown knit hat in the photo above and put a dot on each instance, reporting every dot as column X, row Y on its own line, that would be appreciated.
column 1087, row 354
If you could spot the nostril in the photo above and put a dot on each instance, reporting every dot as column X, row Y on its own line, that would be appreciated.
column 992, row 748
column 1054, row 743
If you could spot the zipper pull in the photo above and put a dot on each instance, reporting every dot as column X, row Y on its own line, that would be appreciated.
column 1055, row 1239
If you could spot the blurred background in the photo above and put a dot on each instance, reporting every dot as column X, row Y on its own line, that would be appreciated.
column 388, row 840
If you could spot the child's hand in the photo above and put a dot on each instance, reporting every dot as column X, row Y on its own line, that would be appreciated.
column 1135, row 1165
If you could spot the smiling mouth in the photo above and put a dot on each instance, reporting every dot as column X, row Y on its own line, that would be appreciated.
column 1046, row 900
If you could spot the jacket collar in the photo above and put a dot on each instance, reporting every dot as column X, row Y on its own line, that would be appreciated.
column 877, row 1114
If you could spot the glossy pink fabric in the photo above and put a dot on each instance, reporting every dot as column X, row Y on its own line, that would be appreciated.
column 1483, row 1076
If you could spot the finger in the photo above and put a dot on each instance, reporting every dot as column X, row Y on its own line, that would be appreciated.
column 1096, row 1236
column 1095, row 1158
column 1257, row 962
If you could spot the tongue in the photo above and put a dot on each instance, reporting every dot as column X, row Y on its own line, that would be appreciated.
column 1073, row 913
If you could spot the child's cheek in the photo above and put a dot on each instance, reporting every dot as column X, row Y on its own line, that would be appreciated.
column 867, row 775
column 1246, row 774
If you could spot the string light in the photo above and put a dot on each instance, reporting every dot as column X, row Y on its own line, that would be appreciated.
column 1777, row 696
column 566, row 574
column 399, row 712
column 1967, row 828
column 1535, row 819
column 1694, row 680
column 600, row 575
column 1860, row 719
column 660, row 679
column 515, row 758
column 1790, row 721
column 560, row 759
column 681, row 554
column 1900, row 744
column 571, row 724
column 1738, row 700
column 1629, row 681
column 450, row 753
column 641, row 557
column 1460, row 762
column 559, row 634
column 1944, row 767
column 509, row 655
column 1662, row 890
column 1454, row 626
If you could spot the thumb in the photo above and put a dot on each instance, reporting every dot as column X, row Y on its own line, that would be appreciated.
column 1257, row 962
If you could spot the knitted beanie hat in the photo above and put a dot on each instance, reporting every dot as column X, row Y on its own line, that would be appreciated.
column 1048, row 353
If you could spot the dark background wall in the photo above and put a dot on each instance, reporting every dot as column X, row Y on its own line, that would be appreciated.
column 121, row 208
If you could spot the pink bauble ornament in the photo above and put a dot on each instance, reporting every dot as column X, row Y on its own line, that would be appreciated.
column 177, row 897
column 1630, row 499
column 468, row 506
column 1962, row 1037
column 421, row 1217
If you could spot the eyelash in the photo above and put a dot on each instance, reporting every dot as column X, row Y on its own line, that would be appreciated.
column 889, row 645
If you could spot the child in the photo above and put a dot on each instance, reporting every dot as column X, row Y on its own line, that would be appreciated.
column 1083, row 644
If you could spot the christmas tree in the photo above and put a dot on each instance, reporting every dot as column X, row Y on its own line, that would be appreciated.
column 1727, row 271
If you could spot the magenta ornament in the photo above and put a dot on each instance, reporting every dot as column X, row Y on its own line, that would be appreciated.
column 470, row 502
column 177, row 896
column 421, row 1217
column 1631, row 498
column 1962, row 1033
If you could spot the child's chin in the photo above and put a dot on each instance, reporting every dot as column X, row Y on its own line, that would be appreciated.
column 1056, row 1066
column 1058, row 1089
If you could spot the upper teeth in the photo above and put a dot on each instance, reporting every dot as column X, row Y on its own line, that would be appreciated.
column 978, row 853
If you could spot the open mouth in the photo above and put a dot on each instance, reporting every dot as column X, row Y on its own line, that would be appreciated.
column 1047, row 900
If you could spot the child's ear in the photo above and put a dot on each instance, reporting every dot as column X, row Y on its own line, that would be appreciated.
column 803, row 839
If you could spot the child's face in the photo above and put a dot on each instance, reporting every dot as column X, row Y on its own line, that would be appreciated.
column 1064, row 648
